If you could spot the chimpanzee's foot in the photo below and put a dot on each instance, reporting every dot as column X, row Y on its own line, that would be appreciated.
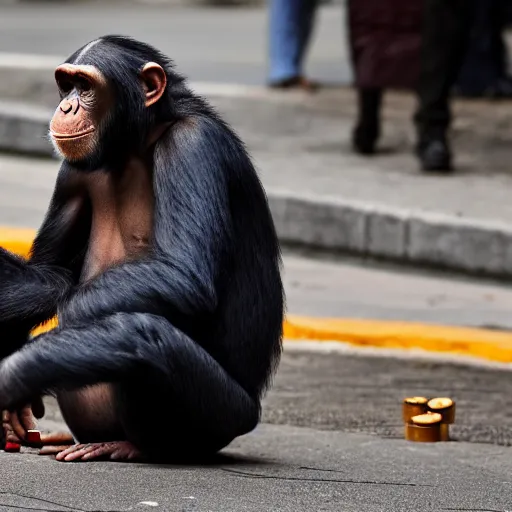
column 55, row 443
column 118, row 450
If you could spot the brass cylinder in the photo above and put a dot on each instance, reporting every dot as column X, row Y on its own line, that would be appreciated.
column 424, row 428
column 414, row 406
column 445, row 407
column 445, row 432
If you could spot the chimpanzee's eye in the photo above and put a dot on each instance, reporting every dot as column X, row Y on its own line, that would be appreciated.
column 65, row 86
column 82, row 84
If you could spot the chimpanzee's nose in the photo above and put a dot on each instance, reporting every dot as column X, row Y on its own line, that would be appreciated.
column 66, row 107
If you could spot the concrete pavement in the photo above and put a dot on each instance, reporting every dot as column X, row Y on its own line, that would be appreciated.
column 331, row 440
column 320, row 471
column 323, row 196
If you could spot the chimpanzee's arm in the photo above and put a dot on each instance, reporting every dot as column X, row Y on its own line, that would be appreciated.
column 192, row 230
column 31, row 290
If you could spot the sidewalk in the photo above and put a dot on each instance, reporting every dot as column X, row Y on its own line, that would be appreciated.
column 331, row 440
column 276, row 469
column 324, row 196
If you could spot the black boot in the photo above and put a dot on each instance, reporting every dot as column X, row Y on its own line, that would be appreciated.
column 434, row 154
column 367, row 131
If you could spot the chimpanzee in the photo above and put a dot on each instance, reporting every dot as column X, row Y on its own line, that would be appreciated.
column 159, row 256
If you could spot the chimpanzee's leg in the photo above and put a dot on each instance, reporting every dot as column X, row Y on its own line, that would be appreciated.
column 173, row 399
column 198, row 408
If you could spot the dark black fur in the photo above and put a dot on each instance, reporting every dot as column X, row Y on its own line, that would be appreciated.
column 189, row 336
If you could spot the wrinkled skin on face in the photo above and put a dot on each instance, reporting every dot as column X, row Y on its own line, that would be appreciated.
column 85, row 102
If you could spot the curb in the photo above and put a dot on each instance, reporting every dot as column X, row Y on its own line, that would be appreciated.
column 485, row 344
column 24, row 128
column 481, row 248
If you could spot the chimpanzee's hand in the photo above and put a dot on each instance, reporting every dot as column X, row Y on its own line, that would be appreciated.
column 16, row 425
column 13, row 394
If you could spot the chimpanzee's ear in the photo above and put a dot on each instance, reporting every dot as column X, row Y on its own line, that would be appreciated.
column 154, row 81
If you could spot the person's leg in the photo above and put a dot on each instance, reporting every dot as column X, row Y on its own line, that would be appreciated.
column 367, row 130
column 484, row 70
column 290, row 27
column 445, row 37
column 503, row 89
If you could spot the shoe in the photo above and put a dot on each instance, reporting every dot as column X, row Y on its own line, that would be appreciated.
column 364, row 138
column 435, row 155
column 296, row 82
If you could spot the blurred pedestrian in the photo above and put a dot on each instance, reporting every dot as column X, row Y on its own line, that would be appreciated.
column 290, row 29
column 385, row 43
column 446, row 27
column 484, row 71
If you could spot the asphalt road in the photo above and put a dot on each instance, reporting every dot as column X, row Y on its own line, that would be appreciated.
column 214, row 45
column 361, row 394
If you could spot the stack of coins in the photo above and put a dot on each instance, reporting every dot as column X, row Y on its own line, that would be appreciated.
column 428, row 421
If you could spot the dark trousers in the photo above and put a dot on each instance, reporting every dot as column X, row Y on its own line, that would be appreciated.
column 445, row 39
column 485, row 62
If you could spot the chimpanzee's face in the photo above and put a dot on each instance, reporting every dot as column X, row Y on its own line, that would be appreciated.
column 86, row 114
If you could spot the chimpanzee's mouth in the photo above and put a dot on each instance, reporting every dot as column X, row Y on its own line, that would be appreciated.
column 68, row 136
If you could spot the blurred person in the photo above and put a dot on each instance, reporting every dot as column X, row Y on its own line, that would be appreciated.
column 290, row 29
column 446, row 27
column 507, row 13
column 385, row 43
column 484, row 71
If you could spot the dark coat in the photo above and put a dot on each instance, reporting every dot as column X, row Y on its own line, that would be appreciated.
column 385, row 41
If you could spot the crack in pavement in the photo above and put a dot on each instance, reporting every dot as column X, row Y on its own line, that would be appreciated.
column 246, row 474
column 49, row 502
